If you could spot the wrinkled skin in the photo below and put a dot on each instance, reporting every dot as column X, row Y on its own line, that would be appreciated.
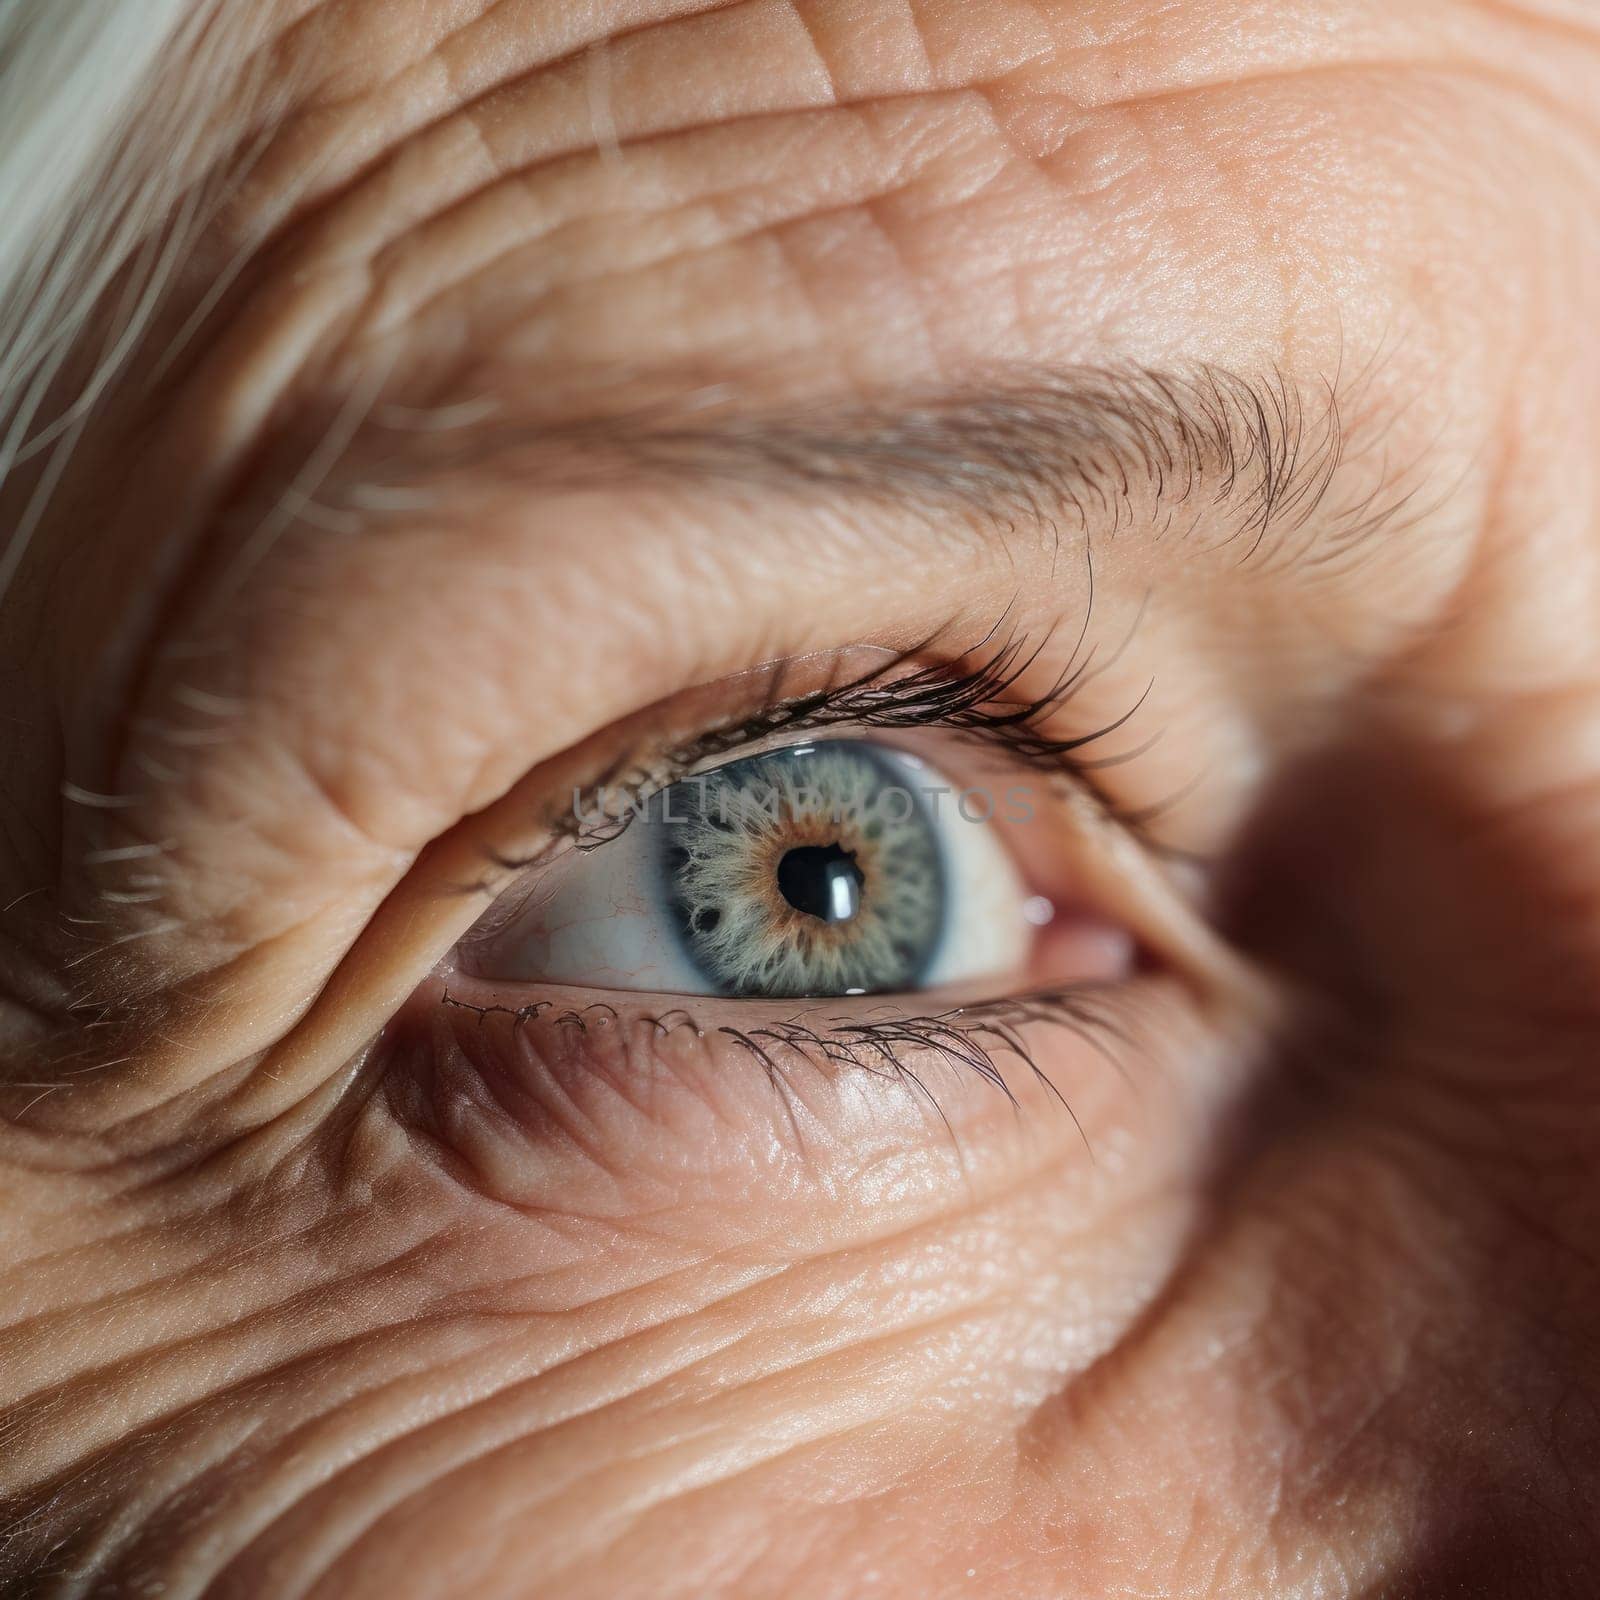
column 290, row 1305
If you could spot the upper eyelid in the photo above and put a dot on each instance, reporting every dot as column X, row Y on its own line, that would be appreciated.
column 905, row 692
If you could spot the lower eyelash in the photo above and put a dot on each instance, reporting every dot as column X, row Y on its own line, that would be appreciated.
column 973, row 1039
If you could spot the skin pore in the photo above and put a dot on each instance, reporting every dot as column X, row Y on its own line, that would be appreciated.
column 553, row 386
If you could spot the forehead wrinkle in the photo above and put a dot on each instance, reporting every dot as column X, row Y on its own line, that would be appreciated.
column 588, row 124
column 594, row 75
column 463, row 194
column 455, row 214
column 531, row 85
column 372, row 75
column 390, row 90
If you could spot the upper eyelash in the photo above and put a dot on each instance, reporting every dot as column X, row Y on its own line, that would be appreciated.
column 976, row 703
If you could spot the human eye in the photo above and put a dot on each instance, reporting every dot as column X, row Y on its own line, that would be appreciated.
column 904, row 873
column 837, row 867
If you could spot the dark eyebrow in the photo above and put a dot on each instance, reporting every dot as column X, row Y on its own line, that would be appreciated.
column 1100, row 445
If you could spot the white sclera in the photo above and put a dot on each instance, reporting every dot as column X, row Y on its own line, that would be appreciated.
column 986, row 933
column 599, row 921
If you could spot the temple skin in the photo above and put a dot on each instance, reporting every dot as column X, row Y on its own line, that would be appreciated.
column 292, row 1305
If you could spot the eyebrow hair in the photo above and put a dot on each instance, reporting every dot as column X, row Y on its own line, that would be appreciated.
column 1105, row 446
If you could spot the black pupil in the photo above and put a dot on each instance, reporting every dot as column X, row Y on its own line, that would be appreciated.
column 823, row 881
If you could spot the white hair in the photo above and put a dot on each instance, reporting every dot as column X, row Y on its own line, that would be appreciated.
column 95, row 134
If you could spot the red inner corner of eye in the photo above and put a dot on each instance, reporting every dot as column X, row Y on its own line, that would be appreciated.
column 1076, row 946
